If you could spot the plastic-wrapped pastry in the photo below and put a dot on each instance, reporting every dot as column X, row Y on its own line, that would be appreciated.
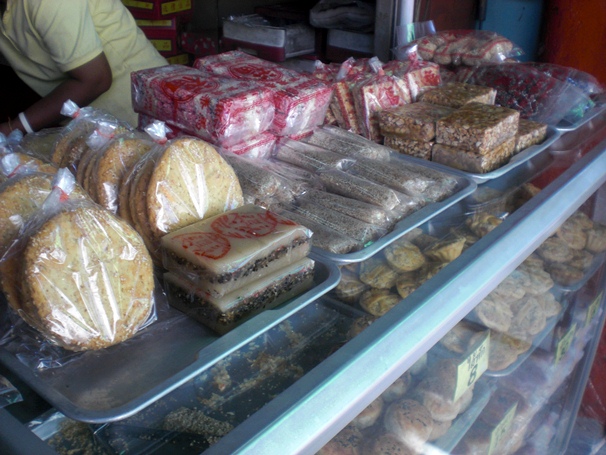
column 307, row 156
column 347, row 143
column 404, row 256
column 362, row 211
column 377, row 273
column 379, row 301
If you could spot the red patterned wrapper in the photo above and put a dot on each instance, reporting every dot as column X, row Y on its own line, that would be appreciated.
column 220, row 110
column 259, row 146
column 300, row 100
column 375, row 94
column 419, row 75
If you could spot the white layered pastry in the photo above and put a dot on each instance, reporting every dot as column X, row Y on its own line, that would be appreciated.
column 222, row 314
column 231, row 250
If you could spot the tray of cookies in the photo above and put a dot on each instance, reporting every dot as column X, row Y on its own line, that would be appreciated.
column 101, row 385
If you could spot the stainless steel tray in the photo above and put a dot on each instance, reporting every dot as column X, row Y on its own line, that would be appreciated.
column 114, row 383
column 239, row 385
column 565, row 126
column 463, row 188
column 552, row 135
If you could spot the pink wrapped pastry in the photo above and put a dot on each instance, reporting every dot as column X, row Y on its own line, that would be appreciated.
column 300, row 100
column 219, row 110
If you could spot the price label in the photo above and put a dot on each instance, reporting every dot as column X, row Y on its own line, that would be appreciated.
column 502, row 429
column 564, row 343
column 592, row 309
column 472, row 367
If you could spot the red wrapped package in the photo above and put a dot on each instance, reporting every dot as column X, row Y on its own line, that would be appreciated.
column 375, row 93
column 418, row 74
column 219, row 110
column 300, row 100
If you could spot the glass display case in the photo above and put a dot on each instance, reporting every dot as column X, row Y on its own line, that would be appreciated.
column 487, row 349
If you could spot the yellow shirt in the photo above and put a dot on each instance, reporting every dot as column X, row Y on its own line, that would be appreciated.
column 43, row 39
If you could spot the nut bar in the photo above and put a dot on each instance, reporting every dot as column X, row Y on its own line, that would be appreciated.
column 219, row 110
column 301, row 101
column 307, row 156
column 529, row 133
column 413, row 121
column 412, row 147
column 347, row 143
column 457, row 94
column 465, row 160
column 228, row 251
column 477, row 127
column 222, row 314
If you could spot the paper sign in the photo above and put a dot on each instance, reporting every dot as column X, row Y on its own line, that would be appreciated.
column 472, row 367
column 565, row 342
column 502, row 429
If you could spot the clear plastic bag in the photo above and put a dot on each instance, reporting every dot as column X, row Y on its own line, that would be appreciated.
column 8, row 393
column 66, row 274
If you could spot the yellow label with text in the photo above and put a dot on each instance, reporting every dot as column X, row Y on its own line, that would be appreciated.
column 472, row 367
column 152, row 23
column 181, row 59
column 175, row 7
column 162, row 45
column 593, row 308
column 137, row 4
column 565, row 342
column 502, row 429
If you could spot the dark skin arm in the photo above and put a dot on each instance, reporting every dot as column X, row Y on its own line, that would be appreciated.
column 85, row 84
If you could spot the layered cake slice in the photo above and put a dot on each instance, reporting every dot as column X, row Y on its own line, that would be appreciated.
column 230, row 250
column 222, row 314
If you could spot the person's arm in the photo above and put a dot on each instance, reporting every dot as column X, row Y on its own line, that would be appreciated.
column 85, row 84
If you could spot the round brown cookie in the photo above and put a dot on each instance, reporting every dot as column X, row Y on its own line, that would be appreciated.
column 528, row 318
column 37, row 163
column 446, row 250
column 436, row 395
column 429, row 271
column 138, row 209
column 536, row 280
column 483, row 223
column 369, row 415
column 398, row 388
column 90, row 169
column 348, row 441
column 564, row 274
column 69, row 139
column 377, row 273
column 596, row 239
column 124, row 194
column 410, row 421
column 359, row 325
column 440, row 428
column 582, row 220
column 554, row 249
column 573, row 234
column 509, row 290
column 582, row 259
column 10, row 274
column 494, row 315
column 118, row 157
column 378, row 301
column 87, row 156
column 86, row 292
column 549, row 303
column 404, row 256
column 406, row 284
column 457, row 339
column 20, row 198
column 388, row 444
column 503, row 352
column 423, row 240
column 350, row 288
column 190, row 181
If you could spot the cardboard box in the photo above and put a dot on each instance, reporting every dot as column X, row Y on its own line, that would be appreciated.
column 160, row 9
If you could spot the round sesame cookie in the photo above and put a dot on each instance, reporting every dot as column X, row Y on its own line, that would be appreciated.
column 117, row 158
column 88, row 277
column 190, row 181
column 20, row 198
